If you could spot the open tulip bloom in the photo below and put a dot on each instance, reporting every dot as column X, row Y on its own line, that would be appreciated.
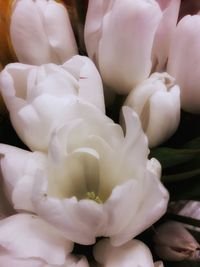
column 84, row 184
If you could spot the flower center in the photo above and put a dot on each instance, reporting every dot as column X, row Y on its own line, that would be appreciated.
column 93, row 196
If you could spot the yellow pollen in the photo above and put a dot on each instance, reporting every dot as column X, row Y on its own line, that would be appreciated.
column 92, row 196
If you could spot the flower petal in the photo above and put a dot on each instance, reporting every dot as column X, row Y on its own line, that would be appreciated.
column 133, row 253
column 77, row 220
column 90, row 84
column 152, row 206
column 27, row 236
column 18, row 167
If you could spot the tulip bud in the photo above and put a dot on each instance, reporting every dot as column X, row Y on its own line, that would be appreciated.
column 119, row 38
column 41, row 32
column 173, row 242
column 184, row 61
column 157, row 103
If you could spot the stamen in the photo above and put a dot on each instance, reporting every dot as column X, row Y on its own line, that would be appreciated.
column 92, row 196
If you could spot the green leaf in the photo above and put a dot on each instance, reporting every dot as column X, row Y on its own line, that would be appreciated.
column 193, row 144
column 188, row 189
column 180, row 176
column 170, row 157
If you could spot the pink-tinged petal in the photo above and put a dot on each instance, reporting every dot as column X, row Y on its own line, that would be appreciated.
column 59, row 32
column 8, row 261
column 18, row 167
column 123, row 56
column 27, row 34
column 26, row 236
column 157, row 102
column 164, row 123
column 35, row 36
column 90, row 83
column 166, row 28
column 133, row 253
column 92, row 33
column 184, row 59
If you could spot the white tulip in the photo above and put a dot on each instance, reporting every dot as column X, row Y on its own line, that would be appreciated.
column 184, row 61
column 119, row 38
column 27, row 241
column 157, row 103
column 134, row 253
column 127, row 39
column 39, row 98
column 94, row 181
column 41, row 32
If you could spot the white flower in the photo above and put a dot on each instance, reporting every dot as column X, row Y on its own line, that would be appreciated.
column 27, row 241
column 39, row 98
column 41, row 32
column 134, row 253
column 157, row 103
column 184, row 61
column 126, row 39
column 93, row 182
column 164, row 33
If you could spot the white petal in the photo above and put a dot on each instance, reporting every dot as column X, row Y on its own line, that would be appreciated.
column 164, row 116
column 18, row 167
column 134, row 253
column 27, row 34
column 26, row 236
column 123, row 62
column 185, row 69
column 7, row 261
column 134, row 145
column 36, row 38
column 162, row 40
column 59, row 32
column 153, row 204
column 77, row 220
column 90, row 84
column 118, row 208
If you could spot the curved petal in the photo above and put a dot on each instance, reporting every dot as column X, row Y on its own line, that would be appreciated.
column 118, row 209
column 164, row 123
column 133, row 253
column 157, row 102
column 124, row 62
column 27, row 34
column 35, row 36
column 149, row 212
column 59, row 32
column 185, row 69
column 90, row 83
column 18, row 167
column 27, row 236
column 77, row 220
column 135, row 143
column 164, row 33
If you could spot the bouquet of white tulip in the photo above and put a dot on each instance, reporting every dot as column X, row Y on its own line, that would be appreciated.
column 94, row 90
